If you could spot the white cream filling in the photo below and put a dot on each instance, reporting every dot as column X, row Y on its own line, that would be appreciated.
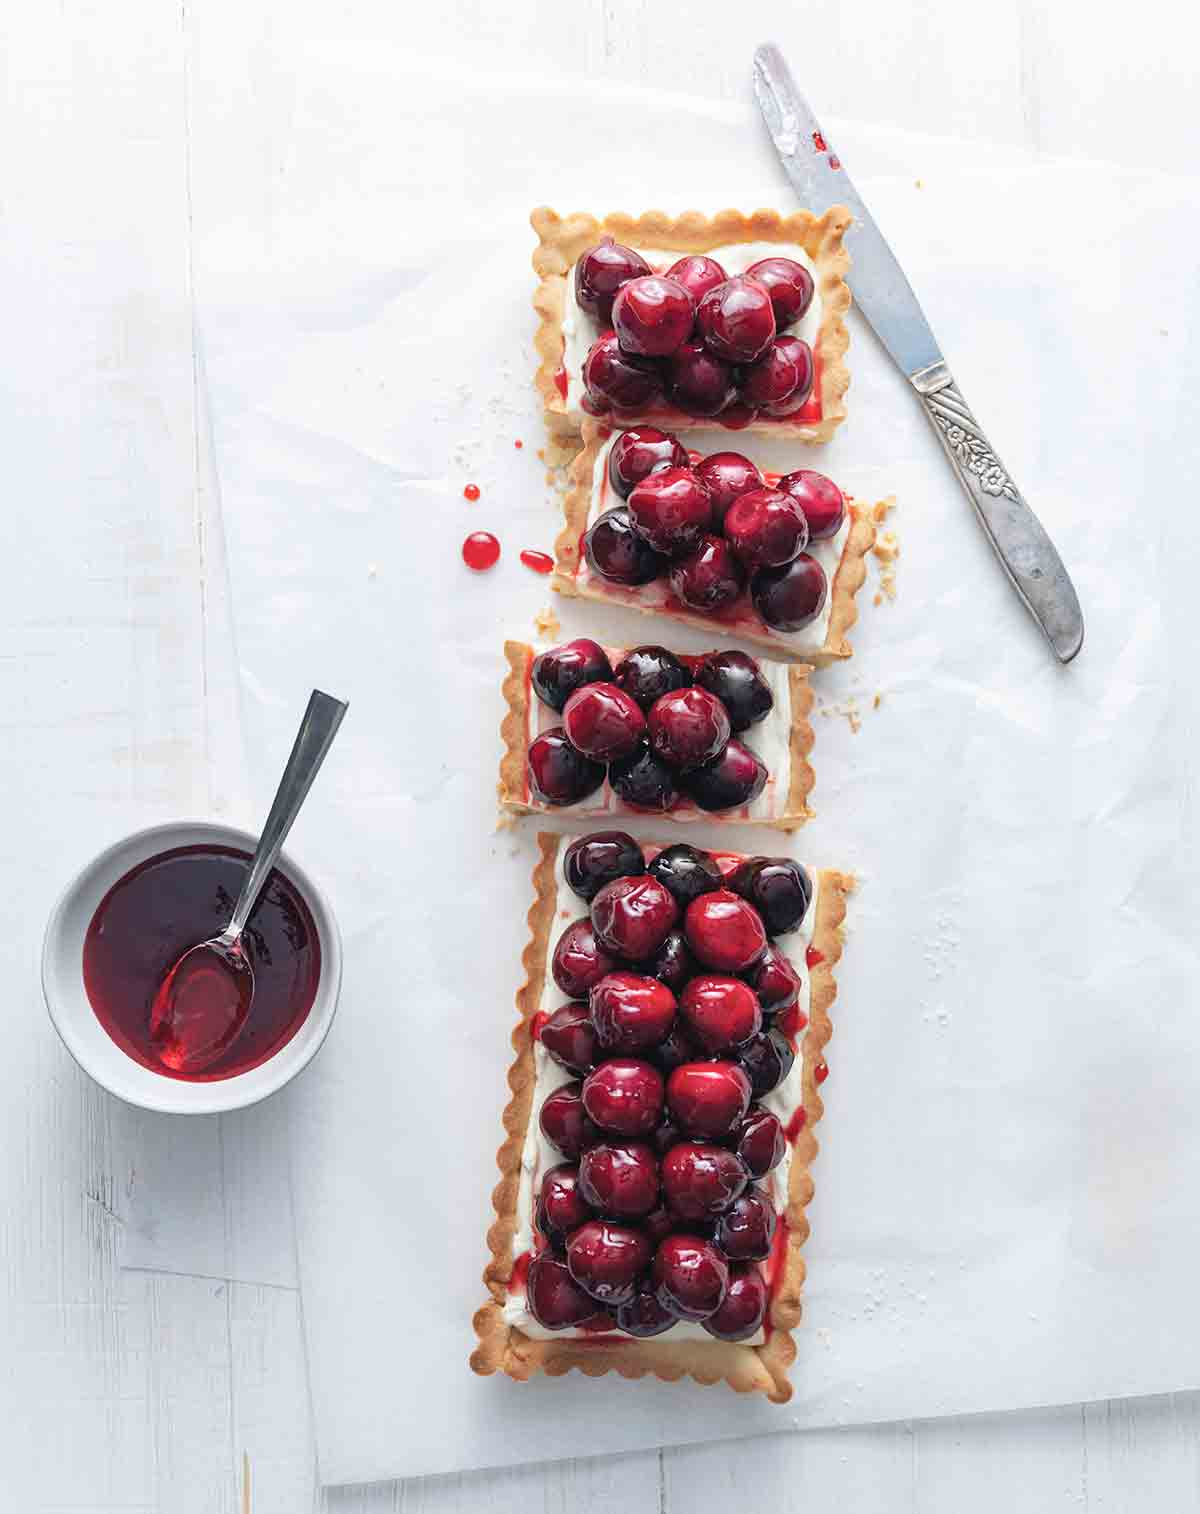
column 538, row 1155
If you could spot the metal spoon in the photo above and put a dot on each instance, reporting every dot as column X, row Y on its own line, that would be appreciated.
column 204, row 1000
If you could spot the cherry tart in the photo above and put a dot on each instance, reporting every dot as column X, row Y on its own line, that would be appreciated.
column 733, row 320
column 596, row 731
column 656, row 1168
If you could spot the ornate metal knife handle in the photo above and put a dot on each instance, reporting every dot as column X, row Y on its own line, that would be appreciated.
column 1027, row 553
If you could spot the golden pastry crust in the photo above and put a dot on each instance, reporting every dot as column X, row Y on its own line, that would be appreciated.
column 561, row 241
column 847, row 580
column 505, row 1348
column 512, row 788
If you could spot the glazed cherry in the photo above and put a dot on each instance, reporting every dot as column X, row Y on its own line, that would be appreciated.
column 644, row 781
column 660, row 1222
column 736, row 778
column 699, row 383
column 647, row 673
column 579, row 961
column 631, row 1013
column 700, row 1182
column 775, row 981
column 615, row 551
column 672, row 964
column 786, row 354
column 726, row 475
column 643, row 1315
column 767, row 1060
column 553, row 1296
column 744, row 1307
column 698, row 275
column 789, row 285
column 559, row 773
column 724, row 931
column 691, row 1277
column 570, row 1038
column 709, row 1100
column 623, row 1095
column 632, row 916
column 600, row 273
column 687, row 728
column 760, row 1142
column 766, row 528
column 823, row 503
column 556, row 674
column 593, row 861
column 670, row 510
column 603, row 723
column 747, row 1228
column 636, row 454
column 686, row 871
column 736, row 320
column 779, row 888
column 710, row 578
column 669, row 1054
column 789, row 597
column 607, row 1259
column 564, row 1121
column 719, row 1012
column 652, row 315
column 614, row 378
column 737, row 681
column 620, row 1179
column 561, row 1206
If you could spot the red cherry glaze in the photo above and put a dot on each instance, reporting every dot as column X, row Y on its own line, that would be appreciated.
column 619, row 1179
column 700, row 1182
column 691, row 1277
column 734, row 779
column 791, row 1022
column 699, row 383
column 709, row 1100
column 795, row 1125
column 623, row 1095
column 736, row 320
column 539, row 562
column 775, row 981
column 538, row 1024
column 724, row 931
column 652, row 315
column 726, row 475
column 746, row 1229
column 736, row 680
column 631, row 1013
column 558, row 772
column 599, row 857
column 823, row 503
column 615, row 551
column 767, row 1059
column 821, row 1071
column 636, row 453
column 710, row 578
column 607, row 1259
column 670, row 510
column 553, row 1296
column 481, row 551
column 520, row 1272
column 644, row 1316
column 761, row 1141
column 471, row 492
column 789, row 285
column 603, row 723
column 688, row 727
column 561, row 1206
column 786, row 353
column 744, row 1307
column 672, row 964
column 570, row 1039
column 766, row 528
column 813, row 957
column 558, row 672
column 564, row 1121
column 579, row 961
column 614, row 378
column 698, row 275
column 719, row 1012
column 633, row 916
column 791, row 596
column 600, row 273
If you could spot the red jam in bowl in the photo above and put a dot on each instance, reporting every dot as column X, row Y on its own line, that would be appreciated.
column 171, row 902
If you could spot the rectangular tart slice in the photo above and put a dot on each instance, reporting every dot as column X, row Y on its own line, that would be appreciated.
column 810, row 310
column 836, row 563
column 683, row 1206
column 765, row 777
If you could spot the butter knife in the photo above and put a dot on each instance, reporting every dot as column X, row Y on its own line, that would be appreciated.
column 883, row 294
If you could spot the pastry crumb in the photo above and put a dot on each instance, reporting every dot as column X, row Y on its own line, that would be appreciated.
column 920, row 183
column 848, row 710
column 546, row 622
column 886, row 550
column 878, row 600
column 877, row 701
column 505, row 820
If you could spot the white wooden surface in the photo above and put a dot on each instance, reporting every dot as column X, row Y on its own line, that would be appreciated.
column 139, row 1391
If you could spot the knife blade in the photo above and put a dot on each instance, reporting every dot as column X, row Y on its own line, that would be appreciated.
column 883, row 294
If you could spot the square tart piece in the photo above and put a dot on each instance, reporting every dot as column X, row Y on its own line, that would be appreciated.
column 841, row 558
column 566, row 331
column 538, row 1319
column 765, row 779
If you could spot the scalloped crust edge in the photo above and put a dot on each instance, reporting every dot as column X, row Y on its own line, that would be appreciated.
column 746, row 1369
column 561, row 240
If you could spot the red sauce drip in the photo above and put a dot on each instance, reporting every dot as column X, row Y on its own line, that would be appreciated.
column 599, row 1329
column 795, row 1125
column 812, row 956
column 560, row 382
column 535, row 1029
column 518, row 444
column 540, row 562
column 520, row 1271
column 834, row 160
column 694, row 457
column 821, row 1071
column 480, row 551
column 727, row 862
column 471, row 492
column 819, row 142
column 792, row 1022
column 773, row 1268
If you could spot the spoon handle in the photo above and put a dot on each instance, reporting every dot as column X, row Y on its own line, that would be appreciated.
column 313, row 740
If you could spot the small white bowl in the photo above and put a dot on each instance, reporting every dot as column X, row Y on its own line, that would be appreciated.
column 91, row 1045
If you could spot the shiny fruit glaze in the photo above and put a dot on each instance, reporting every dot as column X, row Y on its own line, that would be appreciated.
column 538, row 562
column 471, row 492
column 481, row 551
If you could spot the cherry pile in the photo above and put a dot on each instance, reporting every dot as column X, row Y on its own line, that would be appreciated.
column 660, row 727
column 705, row 343
column 656, row 1212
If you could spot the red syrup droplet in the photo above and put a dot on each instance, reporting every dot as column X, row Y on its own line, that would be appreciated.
column 560, row 382
column 834, row 161
column 481, row 551
column 812, row 956
column 821, row 1071
column 598, row 1329
column 471, row 492
column 819, row 142
column 520, row 1271
column 539, row 1020
column 792, row 1022
column 518, row 444
column 540, row 562
column 795, row 1125
column 727, row 862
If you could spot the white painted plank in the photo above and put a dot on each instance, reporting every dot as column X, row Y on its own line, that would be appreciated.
column 1143, row 1454
column 272, row 1429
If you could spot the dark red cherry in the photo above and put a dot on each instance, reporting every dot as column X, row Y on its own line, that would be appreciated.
column 736, row 778
column 636, row 453
column 570, row 1038
column 789, row 284
column 561, row 1206
column 686, row 871
column 565, row 1123
column 744, row 1307
column 719, row 1012
column 677, row 1049
column 701, row 1181
column 558, row 772
column 766, row 528
column 603, row 723
column 614, row 378
column 698, row 275
column 760, row 1142
column 624, row 1095
column 615, row 551
column 779, row 888
column 672, row 964
column 823, row 503
column 553, row 1296
column 579, row 961
column 599, row 274
column 746, row 1229
column 708, row 1100
column 631, row 1013
column 789, row 597
column 643, row 1316
column 632, row 916
column 691, row 1277
column 620, row 1179
column 660, row 1222
column 736, row 320
column 647, row 673
column 724, row 931
column 670, row 510
column 698, row 382
column 607, row 1259
column 652, row 315
column 737, row 681
column 556, row 674
column 767, row 1059
column 687, row 727
column 710, row 578
column 775, row 981
column 644, row 782
column 596, row 859
column 787, row 354
column 726, row 475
